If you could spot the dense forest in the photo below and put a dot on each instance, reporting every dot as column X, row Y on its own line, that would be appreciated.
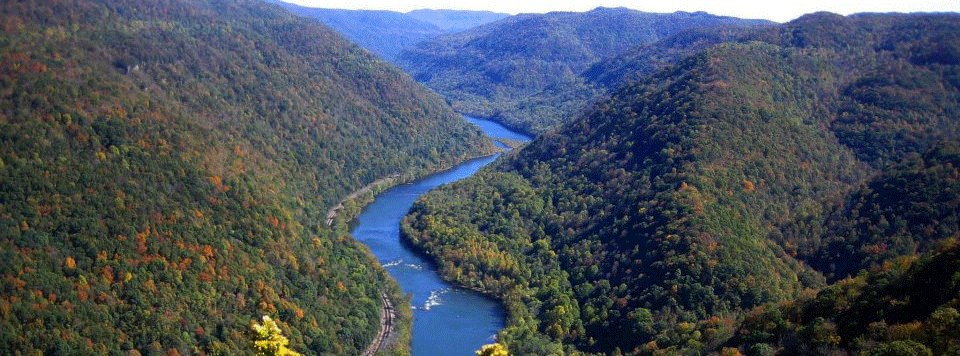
column 902, row 305
column 165, row 167
column 642, row 61
column 705, row 203
column 526, row 71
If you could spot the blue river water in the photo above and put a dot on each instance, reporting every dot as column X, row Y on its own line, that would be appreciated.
column 446, row 320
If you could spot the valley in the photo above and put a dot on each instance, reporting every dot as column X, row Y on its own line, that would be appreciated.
column 437, row 305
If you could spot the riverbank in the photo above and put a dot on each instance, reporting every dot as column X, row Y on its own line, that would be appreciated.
column 350, row 207
column 394, row 334
column 372, row 188
column 495, row 118
column 447, row 320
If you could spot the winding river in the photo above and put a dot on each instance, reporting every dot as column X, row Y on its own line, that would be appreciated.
column 446, row 320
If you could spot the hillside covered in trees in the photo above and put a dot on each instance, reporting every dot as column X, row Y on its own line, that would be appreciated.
column 526, row 71
column 816, row 152
column 165, row 168
column 382, row 32
column 904, row 304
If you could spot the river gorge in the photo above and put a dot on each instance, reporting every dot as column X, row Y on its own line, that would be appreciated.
column 447, row 320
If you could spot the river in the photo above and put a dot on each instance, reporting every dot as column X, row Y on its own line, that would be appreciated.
column 447, row 320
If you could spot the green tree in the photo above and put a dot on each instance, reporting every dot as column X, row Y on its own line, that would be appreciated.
column 902, row 348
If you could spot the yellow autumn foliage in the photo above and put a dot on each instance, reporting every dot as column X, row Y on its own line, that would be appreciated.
column 495, row 349
column 268, row 340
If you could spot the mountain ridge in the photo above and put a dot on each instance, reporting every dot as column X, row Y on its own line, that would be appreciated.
column 693, row 195
column 386, row 33
column 456, row 20
column 525, row 70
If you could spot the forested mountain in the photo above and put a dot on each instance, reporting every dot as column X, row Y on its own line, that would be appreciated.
column 637, row 63
column 387, row 33
column 746, row 173
column 904, row 305
column 383, row 32
column 904, row 211
column 165, row 167
column 456, row 20
column 525, row 71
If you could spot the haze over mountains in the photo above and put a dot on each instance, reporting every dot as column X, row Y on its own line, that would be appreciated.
column 456, row 20
column 387, row 33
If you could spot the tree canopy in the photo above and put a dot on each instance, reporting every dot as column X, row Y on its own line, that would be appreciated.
column 748, row 172
column 165, row 168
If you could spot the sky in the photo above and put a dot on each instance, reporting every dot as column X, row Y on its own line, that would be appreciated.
column 775, row 10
